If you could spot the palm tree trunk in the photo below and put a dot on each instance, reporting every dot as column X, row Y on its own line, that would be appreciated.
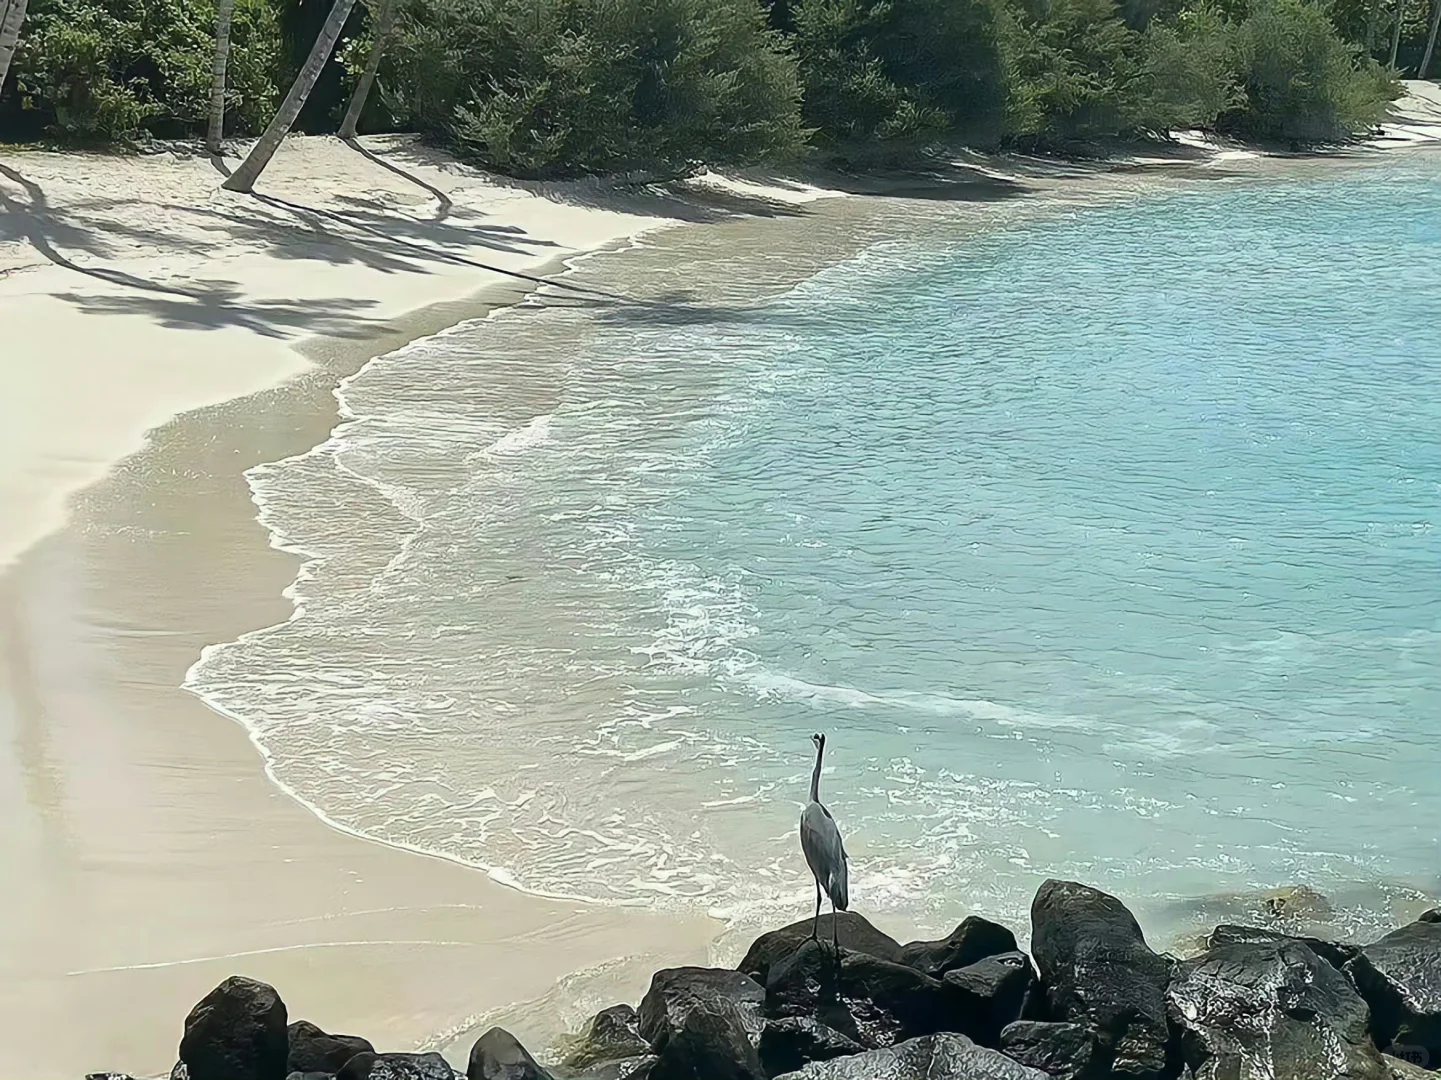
column 10, row 19
column 1431, row 40
column 243, row 179
column 224, row 9
column 383, row 24
column 1396, row 31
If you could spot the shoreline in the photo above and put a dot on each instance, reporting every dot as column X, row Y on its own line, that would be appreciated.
column 113, row 603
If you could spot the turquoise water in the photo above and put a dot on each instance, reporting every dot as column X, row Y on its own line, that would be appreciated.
column 1102, row 545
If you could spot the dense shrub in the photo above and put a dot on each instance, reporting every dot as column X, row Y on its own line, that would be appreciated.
column 561, row 87
column 111, row 69
column 1075, row 72
column 887, row 77
column 1302, row 83
column 1191, row 71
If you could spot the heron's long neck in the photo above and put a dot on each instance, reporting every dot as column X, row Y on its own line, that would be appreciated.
column 816, row 776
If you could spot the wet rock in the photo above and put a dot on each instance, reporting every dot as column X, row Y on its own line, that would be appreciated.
column 180, row 1072
column 796, row 1041
column 1061, row 1051
column 1335, row 953
column 311, row 1076
column 236, row 1032
column 1272, row 1009
column 990, row 994
column 498, row 1055
column 871, row 1001
column 315, row 1051
column 854, row 932
column 945, row 1056
column 974, row 939
column 396, row 1067
column 1098, row 970
column 1296, row 902
column 1400, row 978
column 703, row 1024
column 108, row 1076
column 613, row 1034
column 631, row 1068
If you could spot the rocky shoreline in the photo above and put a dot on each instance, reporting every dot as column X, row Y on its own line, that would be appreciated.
column 1093, row 1001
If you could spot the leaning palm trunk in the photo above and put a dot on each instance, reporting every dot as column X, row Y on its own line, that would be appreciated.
column 1430, row 40
column 1396, row 32
column 12, row 14
column 243, row 179
column 383, row 24
column 224, row 9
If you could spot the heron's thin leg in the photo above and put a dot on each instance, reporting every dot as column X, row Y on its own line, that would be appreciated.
column 835, row 933
column 816, row 924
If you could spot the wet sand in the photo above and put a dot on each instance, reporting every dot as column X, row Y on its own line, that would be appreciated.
column 148, row 856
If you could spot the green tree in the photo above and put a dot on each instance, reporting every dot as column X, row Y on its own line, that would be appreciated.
column 1303, row 84
column 890, row 77
column 565, row 87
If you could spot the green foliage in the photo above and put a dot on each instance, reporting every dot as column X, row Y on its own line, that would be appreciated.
column 1075, row 73
column 889, row 77
column 108, row 70
column 1302, row 83
column 1190, row 66
column 563, row 87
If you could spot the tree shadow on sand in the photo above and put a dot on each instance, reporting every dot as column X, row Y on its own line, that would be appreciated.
column 218, row 305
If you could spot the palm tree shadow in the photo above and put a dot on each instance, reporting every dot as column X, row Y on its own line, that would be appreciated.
column 37, row 224
column 443, row 203
column 219, row 305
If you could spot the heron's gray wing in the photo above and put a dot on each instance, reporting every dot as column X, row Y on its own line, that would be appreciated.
column 825, row 853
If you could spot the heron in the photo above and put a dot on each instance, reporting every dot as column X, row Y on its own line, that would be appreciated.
column 824, row 851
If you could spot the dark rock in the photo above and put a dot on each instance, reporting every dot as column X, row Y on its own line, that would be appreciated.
column 631, row 1068
column 236, row 1032
column 871, row 1001
column 1430, row 915
column 313, row 1050
column 703, row 1024
column 1400, row 978
column 990, row 994
column 1098, row 970
column 180, row 1072
column 796, row 1041
column 935, row 1057
column 396, row 1067
column 311, row 1076
column 1335, row 953
column 1061, row 1051
column 613, row 1034
column 498, row 1055
column 108, row 1076
column 974, row 939
column 1272, row 1009
column 854, row 932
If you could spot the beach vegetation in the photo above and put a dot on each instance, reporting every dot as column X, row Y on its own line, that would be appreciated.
column 567, row 87
column 1302, row 84
column 660, row 88
column 110, row 70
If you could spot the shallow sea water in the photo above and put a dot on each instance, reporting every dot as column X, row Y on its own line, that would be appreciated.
column 1102, row 543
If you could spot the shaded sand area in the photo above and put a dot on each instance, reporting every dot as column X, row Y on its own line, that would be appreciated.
column 146, row 854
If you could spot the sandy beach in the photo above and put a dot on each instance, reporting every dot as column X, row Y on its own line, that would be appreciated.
column 161, row 337
column 147, row 854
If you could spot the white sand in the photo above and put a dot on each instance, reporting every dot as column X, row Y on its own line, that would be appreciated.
column 133, row 289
